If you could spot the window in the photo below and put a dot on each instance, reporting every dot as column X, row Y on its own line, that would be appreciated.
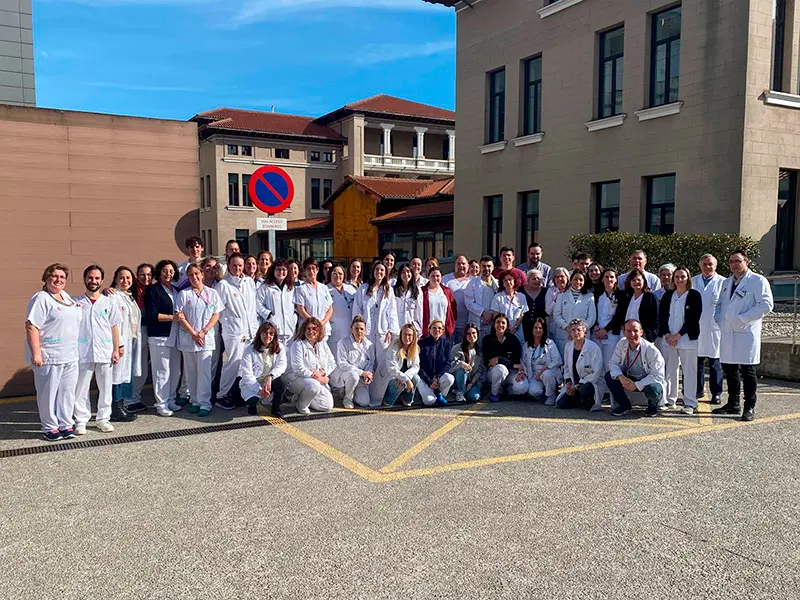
column 314, row 156
column 203, row 237
column 203, row 194
column 494, row 225
column 415, row 147
column 281, row 153
column 302, row 248
column 532, row 99
column 315, row 197
column 246, row 201
column 606, row 207
column 247, row 151
column 327, row 188
column 446, row 149
column 496, row 108
column 611, row 72
column 665, row 54
column 402, row 244
column 528, row 221
column 779, row 46
column 433, row 243
column 243, row 238
column 233, row 189
column 661, row 204
column 233, row 149
column 210, row 245
column 327, row 157
column 208, row 192
column 784, row 228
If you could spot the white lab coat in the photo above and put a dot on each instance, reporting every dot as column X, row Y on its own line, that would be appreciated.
column 589, row 368
column 409, row 310
column 95, row 343
column 304, row 359
column 239, row 319
column 548, row 359
column 512, row 308
column 389, row 370
column 478, row 298
column 276, row 305
column 378, row 311
column 130, row 336
column 708, row 342
column 567, row 309
column 652, row 361
column 739, row 318
column 342, row 315
column 198, row 311
column 59, row 326
column 251, row 369
column 316, row 301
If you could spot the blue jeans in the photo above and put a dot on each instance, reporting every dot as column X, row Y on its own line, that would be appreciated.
column 395, row 391
column 583, row 399
column 714, row 376
column 123, row 391
column 473, row 393
column 652, row 392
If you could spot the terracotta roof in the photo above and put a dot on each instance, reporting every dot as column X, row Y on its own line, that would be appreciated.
column 395, row 187
column 417, row 211
column 390, row 105
column 254, row 121
column 449, row 3
column 316, row 223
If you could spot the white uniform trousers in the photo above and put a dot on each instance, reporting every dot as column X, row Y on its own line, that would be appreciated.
column 103, row 372
column 197, row 369
column 55, row 394
column 234, row 352
column 139, row 380
column 353, row 386
column 429, row 396
column 687, row 360
column 547, row 386
column 607, row 347
column 379, row 342
column 166, row 364
column 500, row 376
column 310, row 393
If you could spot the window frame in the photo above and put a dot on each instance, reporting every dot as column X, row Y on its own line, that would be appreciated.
column 600, row 211
column 243, row 239
column 316, row 193
column 496, row 121
column 208, row 191
column 601, row 91
column 233, row 189
column 779, row 47
column 315, row 156
column 327, row 157
column 327, row 190
column 246, row 151
column 784, row 257
column 536, row 84
column 279, row 151
column 246, row 199
column 654, row 45
column 649, row 205
column 232, row 150
column 528, row 220
column 493, row 239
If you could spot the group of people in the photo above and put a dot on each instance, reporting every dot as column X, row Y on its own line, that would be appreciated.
column 245, row 330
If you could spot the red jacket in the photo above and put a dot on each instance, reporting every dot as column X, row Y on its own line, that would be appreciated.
column 452, row 311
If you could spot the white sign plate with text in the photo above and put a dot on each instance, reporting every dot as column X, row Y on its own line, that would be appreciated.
column 270, row 224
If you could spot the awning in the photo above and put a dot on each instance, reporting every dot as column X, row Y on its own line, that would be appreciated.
column 417, row 211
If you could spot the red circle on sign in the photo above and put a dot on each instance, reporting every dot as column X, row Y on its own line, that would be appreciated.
column 271, row 189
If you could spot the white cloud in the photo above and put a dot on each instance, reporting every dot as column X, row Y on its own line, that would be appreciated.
column 380, row 53
column 253, row 11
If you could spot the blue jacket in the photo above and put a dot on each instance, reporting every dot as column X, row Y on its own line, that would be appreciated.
column 157, row 301
column 434, row 357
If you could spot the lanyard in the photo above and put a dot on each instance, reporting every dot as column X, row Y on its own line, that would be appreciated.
column 201, row 296
column 629, row 363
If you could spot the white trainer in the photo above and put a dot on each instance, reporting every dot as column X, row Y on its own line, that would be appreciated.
column 551, row 401
column 174, row 406
column 163, row 412
column 460, row 397
column 347, row 403
column 688, row 410
column 304, row 410
column 79, row 430
column 105, row 426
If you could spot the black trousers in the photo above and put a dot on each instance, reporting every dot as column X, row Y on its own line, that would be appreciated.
column 734, row 374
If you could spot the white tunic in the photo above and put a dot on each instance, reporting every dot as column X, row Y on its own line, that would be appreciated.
column 59, row 325
column 708, row 342
column 536, row 360
column 351, row 356
column 238, row 295
column 409, row 310
column 739, row 316
column 95, row 344
column 198, row 310
column 633, row 308
column 437, row 306
column 276, row 305
column 304, row 359
column 568, row 308
column 513, row 308
column 256, row 366
column 316, row 301
column 606, row 309
column 379, row 311
column 459, row 289
column 478, row 298
column 342, row 314
column 677, row 311
column 130, row 363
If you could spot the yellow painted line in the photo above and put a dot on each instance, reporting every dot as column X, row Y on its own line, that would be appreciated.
column 484, row 462
column 18, row 399
column 703, row 412
column 423, row 444
column 326, row 450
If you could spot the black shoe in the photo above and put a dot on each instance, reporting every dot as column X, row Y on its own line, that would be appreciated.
column 68, row 434
column 225, row 403
column 651, row 412
column 728, row 409
column 252, row 410
column 53, row 436
column 276, row 412
column 716, row 399
column 136, row 407
column 239, row 403
column 621, row 412
column 119, row 414
column 749, row 414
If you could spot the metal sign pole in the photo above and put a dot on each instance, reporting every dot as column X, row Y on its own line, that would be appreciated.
column 271, row 244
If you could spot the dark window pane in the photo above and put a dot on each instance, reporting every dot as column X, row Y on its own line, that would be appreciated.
column 315, row 194
column 246, row 191
column 233, row 189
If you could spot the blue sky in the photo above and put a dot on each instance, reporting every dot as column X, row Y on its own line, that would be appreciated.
column 175, row 58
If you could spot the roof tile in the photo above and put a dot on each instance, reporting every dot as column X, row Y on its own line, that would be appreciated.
column 391, row 105
column 236, row 119
column 417, row 211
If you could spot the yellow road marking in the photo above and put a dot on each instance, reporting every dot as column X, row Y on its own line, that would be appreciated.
column 703, row 412
column 328, row 451
column 483, row 462
column 423, row 444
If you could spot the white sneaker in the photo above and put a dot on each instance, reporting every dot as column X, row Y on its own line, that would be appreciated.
column 105, row 426
column 79, row 430
column 688, row 410
column 174, row 406
column 669, row 405
column 346, row 403
column 460, row 397
column 551, row 401
column 304, row 410
column 163, row 412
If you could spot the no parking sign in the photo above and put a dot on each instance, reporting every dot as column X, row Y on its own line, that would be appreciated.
column 271, row 189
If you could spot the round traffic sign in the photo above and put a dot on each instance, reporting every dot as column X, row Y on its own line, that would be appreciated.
column 271, row 189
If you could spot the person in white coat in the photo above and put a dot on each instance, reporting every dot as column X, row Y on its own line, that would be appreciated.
column 313, row 299
column 709, row 284
column 610, row 317
column 745, row 299
column 198, row 309
column 130, row 360
column 342, row 307
column 554, row 292
column 408, row 298
column 457, row 282
column 355, row 366
column 275, row 301
column 638, row 260
column 262, row 370
column 583, row 367
column 541, row 363
column 398, row 376
column 375, row 302
column 52, row 327
column 512, row 304
column 311, row 365
column 478, row 297
column 577, row 303
column 637, row 365
column 99, row 347
column 239, row 321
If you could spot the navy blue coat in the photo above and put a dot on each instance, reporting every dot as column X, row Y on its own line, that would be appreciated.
column 434, row 357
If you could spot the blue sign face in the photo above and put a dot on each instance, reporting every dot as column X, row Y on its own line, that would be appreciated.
column 271, row 189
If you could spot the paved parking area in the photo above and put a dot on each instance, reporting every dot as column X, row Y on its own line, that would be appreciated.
column 510, row 500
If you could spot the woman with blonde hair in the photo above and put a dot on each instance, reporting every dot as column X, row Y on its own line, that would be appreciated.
column 265, row 260
column 311, row 364
column 398, row 376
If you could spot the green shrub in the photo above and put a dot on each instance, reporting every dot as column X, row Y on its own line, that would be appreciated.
column 682, row 249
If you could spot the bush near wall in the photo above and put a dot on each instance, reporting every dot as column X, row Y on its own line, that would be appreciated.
column 682, row 249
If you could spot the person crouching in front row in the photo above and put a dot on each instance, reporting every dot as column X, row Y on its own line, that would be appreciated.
column 435, row 351
column 583, row 368
column 355, row 366
column 541, row 363
column 311, row 363
column 502, row 356
column 467, row 366
column 263, row 364
column 398, row 376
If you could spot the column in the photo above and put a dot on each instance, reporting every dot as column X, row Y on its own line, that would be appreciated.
column 387, row 138
column 420, row 141
column 451, row 146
